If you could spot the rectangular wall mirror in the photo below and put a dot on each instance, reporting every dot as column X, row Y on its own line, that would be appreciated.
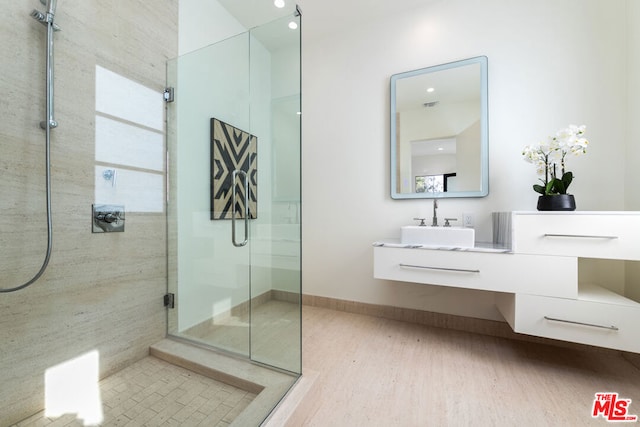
column 439, row 131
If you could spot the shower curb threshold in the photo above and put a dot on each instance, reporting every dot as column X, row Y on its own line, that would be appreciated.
column 269, row 385
column 291, row 410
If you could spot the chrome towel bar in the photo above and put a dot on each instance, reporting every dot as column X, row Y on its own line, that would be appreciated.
column 581, row 236
column 460, row 270
column 573, row 322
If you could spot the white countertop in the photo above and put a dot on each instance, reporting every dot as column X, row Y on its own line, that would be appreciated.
column 479, row 246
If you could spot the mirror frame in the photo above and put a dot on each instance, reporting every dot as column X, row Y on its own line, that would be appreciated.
column 484, row 130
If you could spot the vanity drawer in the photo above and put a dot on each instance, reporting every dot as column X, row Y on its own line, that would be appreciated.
column 585, row 321
column 588, row 235
column 503, row 272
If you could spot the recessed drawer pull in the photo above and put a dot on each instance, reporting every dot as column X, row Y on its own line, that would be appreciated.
column 460, row 270
column 613, row 328
column 580, row 236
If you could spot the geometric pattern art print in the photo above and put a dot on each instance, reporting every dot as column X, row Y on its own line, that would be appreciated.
column 232, row 149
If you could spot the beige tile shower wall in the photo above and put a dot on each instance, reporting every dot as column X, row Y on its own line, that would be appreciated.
column 101, row 291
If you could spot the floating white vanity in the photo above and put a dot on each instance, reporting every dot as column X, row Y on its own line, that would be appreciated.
column 536, row 275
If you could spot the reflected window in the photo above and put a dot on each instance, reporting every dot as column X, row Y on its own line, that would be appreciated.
column 433, row 183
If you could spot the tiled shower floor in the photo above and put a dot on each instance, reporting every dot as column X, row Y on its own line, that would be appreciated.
column 152, row 392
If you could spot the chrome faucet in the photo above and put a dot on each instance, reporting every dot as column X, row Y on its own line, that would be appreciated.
column 434, row 222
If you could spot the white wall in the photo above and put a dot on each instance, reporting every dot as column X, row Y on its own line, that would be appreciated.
column 633, row 100
column 469, row 176
column 551, row 63
column 433, row 164
column 632, row 193
column 202, row 23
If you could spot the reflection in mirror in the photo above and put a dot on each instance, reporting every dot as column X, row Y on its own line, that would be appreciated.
column 439, row 131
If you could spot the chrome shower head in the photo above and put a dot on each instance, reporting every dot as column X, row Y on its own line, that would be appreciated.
column 47, row 18
column 38, row 16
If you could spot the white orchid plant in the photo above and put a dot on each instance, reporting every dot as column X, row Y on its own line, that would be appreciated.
column 549, row 159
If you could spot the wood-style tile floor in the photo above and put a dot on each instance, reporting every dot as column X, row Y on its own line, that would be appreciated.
column 367, row 371
column 152, row 392
column 275, row 336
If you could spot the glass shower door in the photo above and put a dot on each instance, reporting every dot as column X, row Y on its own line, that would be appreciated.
column 208, row 274
column 237, row 108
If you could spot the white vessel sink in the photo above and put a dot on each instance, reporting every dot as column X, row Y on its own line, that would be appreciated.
column 457, row 237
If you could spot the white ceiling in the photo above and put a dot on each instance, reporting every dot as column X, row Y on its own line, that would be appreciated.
column 453, row 85
column 433, row 147
column 320, row 17
column 253, row 13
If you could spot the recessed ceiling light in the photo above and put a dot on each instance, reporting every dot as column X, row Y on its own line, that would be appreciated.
column 293, row 25
column 430, row 90
column 440, row 149
column 278, row 3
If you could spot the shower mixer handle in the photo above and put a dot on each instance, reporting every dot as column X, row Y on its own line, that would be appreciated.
column 107, row 218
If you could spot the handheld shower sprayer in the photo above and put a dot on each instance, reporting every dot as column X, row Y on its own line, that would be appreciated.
column 49, row 123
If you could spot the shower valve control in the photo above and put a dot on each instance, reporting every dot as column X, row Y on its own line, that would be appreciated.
column 107, row 218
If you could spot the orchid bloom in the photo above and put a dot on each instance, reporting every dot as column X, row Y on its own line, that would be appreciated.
column 548, row 157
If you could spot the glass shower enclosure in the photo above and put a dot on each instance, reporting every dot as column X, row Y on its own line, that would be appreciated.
column 234, row 196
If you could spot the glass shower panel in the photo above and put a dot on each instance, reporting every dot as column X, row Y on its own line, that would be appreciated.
column 276, row 234
column 208, row 275
column 242, row 299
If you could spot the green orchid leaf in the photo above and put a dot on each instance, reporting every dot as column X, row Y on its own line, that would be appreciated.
column 538, row 189
column 567, row 178
column 549, row 188
column 558, row 186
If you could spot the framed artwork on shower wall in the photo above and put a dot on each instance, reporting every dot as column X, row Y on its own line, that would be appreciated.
column 233, row 149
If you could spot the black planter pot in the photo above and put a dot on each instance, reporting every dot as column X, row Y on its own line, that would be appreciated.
column 557, row 202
